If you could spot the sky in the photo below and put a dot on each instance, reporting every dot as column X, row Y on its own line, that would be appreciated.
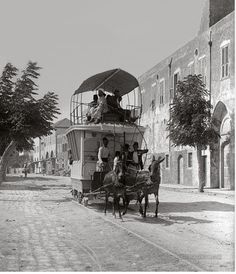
column 73, row 39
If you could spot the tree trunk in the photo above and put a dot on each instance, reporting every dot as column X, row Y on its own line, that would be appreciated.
column 5, row 159
column 201, row 182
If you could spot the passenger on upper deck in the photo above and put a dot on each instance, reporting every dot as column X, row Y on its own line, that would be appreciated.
column 112, row 101
column 100, row 109
column 114, row 106
column 91, row 106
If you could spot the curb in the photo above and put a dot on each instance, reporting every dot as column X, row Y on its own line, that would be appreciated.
column 207, row 191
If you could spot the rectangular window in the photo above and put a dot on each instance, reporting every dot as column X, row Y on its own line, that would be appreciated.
column 190, row 159
column 202, row 67
column 162, row 91
column 176, row 79
column 191, row 68
column 167, row 161
column 225, row 61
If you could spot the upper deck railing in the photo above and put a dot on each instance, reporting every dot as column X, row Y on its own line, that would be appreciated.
column 110, row 81
column 130, row 114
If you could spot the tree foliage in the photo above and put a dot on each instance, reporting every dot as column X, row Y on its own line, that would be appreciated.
column 190, row 120
column 23, row 116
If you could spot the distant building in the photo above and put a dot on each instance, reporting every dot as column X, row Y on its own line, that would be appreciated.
column 50, row 152
column 18, row 160
column 62, row 165
column 210, row 54
column 37, row 156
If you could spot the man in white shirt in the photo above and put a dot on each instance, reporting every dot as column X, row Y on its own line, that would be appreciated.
column 103, row 155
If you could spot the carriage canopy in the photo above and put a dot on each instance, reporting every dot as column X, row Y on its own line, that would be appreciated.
column 110, row 80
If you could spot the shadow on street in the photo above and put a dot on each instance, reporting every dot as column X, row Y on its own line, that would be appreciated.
column 168, row 207
column 32, row 183
column 18, row 178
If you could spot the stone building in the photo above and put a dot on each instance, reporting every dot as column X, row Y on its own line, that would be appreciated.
column 37, row 156
column 211, row 54
column 50, row 152
column 62, row 164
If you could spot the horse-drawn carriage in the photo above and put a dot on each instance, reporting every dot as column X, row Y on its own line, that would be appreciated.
column 119, row 127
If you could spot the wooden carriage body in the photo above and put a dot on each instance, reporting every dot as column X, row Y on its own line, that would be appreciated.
column 84, row 142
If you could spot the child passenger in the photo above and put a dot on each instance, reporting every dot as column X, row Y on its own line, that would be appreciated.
column 116, row 159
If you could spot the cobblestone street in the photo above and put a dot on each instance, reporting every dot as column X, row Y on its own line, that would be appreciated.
column 42, row 229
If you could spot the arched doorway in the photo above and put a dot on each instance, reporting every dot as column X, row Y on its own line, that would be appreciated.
column 225, row 153
column 220, row 163
column 225, row 165
column 180, row 170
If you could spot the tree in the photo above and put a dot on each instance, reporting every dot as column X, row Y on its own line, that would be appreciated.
column 23, row 117
column 190, row 122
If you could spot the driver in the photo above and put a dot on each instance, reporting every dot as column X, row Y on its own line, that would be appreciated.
column 103, row 155
column 135, row 157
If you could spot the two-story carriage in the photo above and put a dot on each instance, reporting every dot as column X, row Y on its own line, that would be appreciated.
column 85, row 138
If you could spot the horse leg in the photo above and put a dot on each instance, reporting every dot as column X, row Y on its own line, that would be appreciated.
column 114, row 205
column 140, row 198
column 126, row 203
column 157, row 201
column 106, row 202
column 145, row 205
column 118, row 205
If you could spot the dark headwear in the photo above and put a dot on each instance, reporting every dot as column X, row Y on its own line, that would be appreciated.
column 101, row 93
column 127, row 146
column 135, row 144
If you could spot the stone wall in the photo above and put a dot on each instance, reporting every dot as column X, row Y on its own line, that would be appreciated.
column 156, row 112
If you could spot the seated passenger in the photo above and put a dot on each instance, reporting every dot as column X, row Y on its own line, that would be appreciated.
column 116, row 159
column 100, row 109
column 91, row 106
column 124, row 113
column 112, row 102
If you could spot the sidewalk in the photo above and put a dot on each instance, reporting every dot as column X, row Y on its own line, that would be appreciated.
column 194, row 189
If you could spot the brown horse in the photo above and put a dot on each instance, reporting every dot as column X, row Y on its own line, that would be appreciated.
column 151, row 186
column 114, row 184
column 146, row 182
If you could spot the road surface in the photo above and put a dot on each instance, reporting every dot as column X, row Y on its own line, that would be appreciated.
column 43, row 229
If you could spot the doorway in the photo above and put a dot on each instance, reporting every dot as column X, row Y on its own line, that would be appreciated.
column 204, row 169
column 225, row 176
column 181, row 170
